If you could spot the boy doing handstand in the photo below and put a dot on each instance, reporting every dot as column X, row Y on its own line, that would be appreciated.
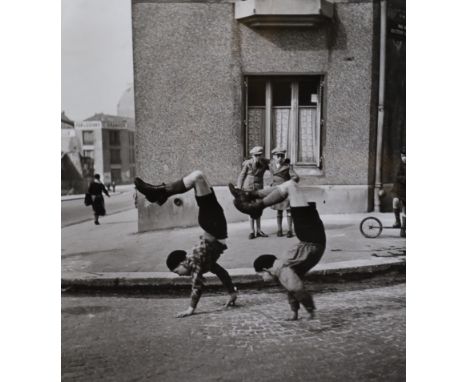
column 212, row 243
column 304, row 255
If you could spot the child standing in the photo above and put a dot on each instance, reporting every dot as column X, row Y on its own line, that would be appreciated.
column 282, row 171
column 251, row 179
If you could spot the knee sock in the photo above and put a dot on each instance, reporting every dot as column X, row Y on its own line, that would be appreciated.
column 279, row 222
column 289, row 219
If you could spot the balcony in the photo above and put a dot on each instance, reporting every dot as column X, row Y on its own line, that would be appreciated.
column 283, row 13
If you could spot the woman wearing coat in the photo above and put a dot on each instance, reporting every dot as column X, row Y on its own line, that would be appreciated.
column 251, row 178
column 96, row 188
column 282, row 171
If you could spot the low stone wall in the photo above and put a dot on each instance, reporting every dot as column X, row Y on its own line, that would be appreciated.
column 182, row 210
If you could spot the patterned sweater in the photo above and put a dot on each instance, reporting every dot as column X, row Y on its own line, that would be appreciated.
column 203, row 256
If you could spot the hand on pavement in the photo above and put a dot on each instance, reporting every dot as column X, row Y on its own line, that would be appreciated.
column 185, row 313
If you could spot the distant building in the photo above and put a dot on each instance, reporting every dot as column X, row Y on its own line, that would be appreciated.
column 69, row 140
column 126, row 105
column 75, row 170
column 109, row 141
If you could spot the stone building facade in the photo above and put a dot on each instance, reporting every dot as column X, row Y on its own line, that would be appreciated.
column 215, row 78
column 109, row 141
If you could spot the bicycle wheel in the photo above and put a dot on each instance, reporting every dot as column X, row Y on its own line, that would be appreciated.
column 371, row 227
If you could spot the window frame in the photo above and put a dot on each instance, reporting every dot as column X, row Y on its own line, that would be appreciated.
column 86, row 132
column 111, row 156
column 88, row 151
column 267, row 133
column 112, row 135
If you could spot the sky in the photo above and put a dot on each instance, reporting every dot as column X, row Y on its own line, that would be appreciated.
column 97, row 63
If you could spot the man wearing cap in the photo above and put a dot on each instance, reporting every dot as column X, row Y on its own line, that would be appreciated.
column 251, row 179
column 282, row 171
column 212, row 243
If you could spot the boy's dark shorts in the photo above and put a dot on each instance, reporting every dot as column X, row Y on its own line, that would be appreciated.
column 308, row 225
column 211, row 215
column 303, row 256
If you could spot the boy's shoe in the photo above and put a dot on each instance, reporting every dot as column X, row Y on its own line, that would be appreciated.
column 236, row 192
column 279, row 234
column 96, row 222
column 253, row 208
column 289, row 234
column 397, row 224
column 261, row 234
column 154, row 194
column 252, row 235
column 241, row 194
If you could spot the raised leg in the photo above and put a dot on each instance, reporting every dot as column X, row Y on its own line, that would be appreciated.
column 160, row 193
column 271, row 196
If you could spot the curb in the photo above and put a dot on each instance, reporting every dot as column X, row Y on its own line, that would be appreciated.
column 243, row 277
column 69, row 198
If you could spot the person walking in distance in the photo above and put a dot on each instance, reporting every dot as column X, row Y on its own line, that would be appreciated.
column 96, row 188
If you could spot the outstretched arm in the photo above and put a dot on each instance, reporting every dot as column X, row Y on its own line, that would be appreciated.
column 197, row 286
column 105, row 190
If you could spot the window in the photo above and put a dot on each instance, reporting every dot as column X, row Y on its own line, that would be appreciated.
column 114, row 138
column 116, row 175
column 88, row 137
column 115, row 156
column 88, row 153
column 285, row 111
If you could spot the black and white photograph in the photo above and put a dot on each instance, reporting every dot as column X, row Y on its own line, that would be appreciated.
column 233, row 190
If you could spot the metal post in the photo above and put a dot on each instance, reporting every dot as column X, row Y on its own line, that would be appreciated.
column 381, row 110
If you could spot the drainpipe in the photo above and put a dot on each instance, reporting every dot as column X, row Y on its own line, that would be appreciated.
column 378, row 189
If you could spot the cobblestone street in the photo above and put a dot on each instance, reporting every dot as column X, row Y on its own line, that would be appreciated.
column 359, row 335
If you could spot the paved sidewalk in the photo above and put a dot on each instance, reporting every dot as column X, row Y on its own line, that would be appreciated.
column 118, row 190
column 114, row 253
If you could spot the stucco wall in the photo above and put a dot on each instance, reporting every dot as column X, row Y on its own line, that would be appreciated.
column 342, row 50
column 190, row 57
column 187, row 89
